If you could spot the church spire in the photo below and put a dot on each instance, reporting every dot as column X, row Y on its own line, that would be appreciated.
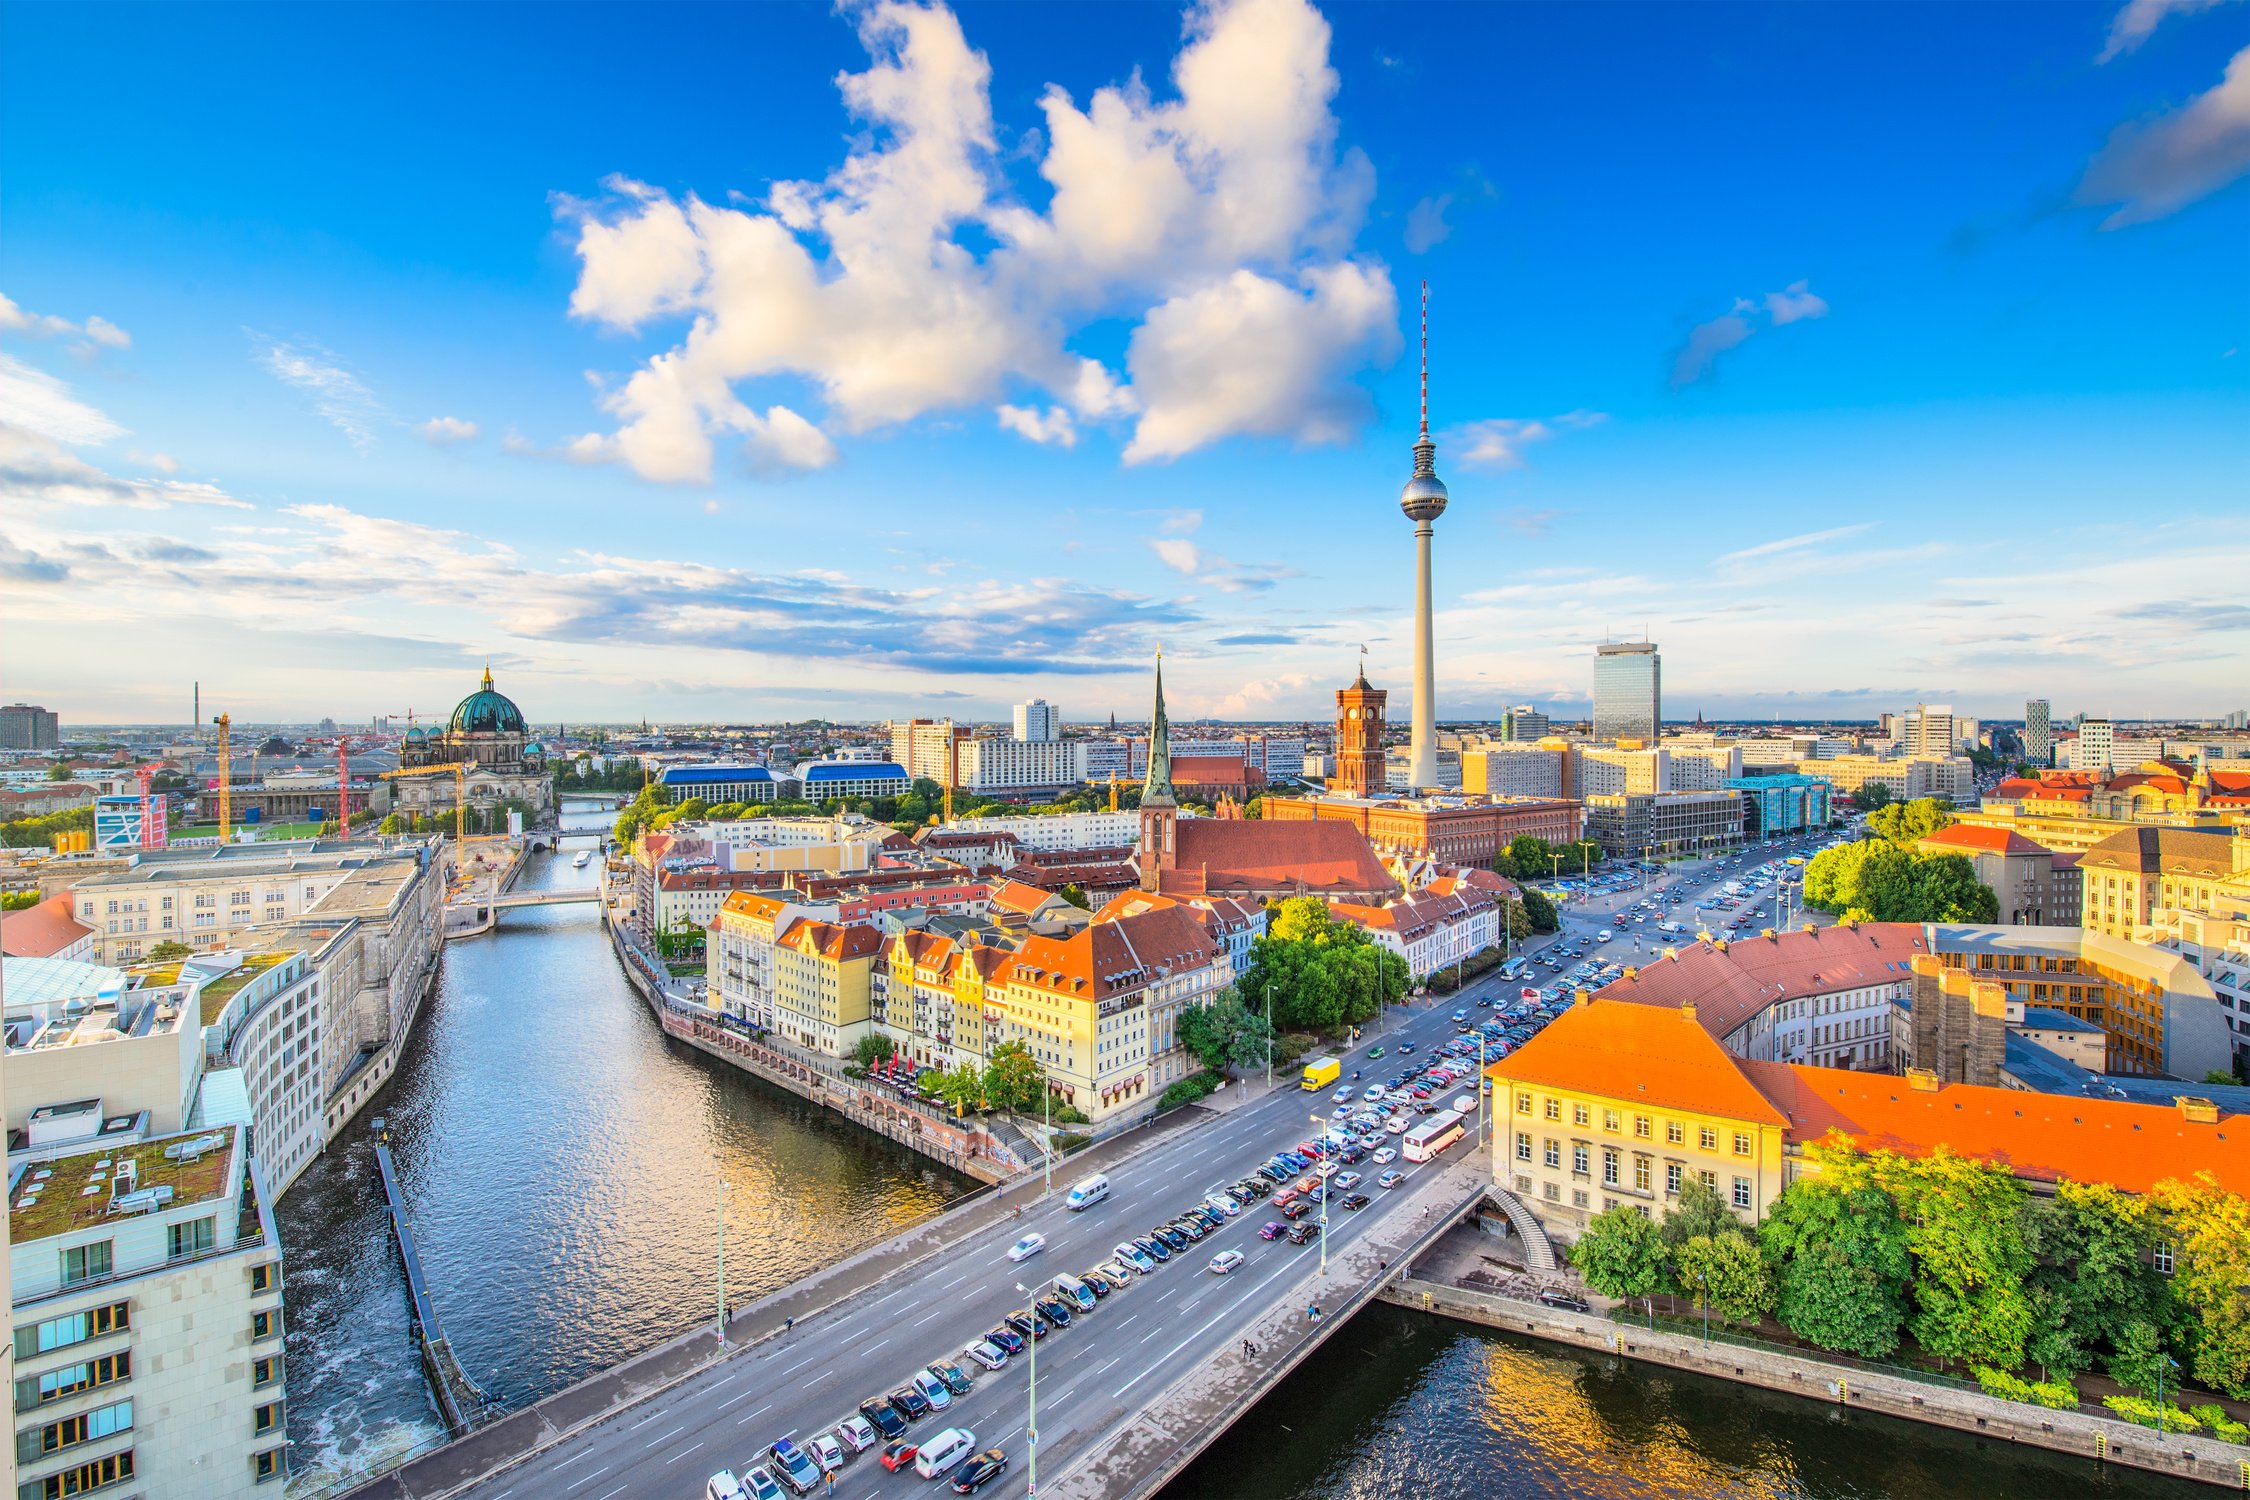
column 1158, row 786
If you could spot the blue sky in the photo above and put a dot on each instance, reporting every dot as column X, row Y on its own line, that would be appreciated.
column 760, row 361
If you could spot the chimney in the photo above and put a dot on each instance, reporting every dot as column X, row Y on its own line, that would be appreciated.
column 1671, row 953
column 1583, row 998
column 2197, row 1111
column 1922, row 1080
column 1769, row 935
column 1631, row 973
column 1687, row 1010
column 1813, row 929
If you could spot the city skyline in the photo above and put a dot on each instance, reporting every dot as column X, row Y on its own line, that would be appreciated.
column 343, row 441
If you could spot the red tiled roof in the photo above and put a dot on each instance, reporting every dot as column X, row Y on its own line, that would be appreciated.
column 1638, row 1052
column 1728, row 988
column 1974, row 840
column 831, row 941
column 41, row 931
column 2038, row 1136
column 1221, row 856
column 1016, row 896
column 1114, row 956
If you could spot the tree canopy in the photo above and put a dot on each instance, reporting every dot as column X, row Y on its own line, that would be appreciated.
column 1226, row 1036
column 1324, row 972
column 1891, row 884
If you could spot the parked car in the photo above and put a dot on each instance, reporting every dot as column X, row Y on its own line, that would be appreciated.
column 723, row 1486
column 826, row 1452
column 1384, row 1157
column 1296, row 1210
column 1006, row 1340
column 1053, row 1310
column 760, row 1484
column 1134, row 1255
column 1356, row 1201
column 1027, row 1247
column 955, row 1378
column 1566, row 1301
column 1024, row 1321
column 881, row 1415
column 1346, row 1181
column 856, row 1434
column 986, row 1353
column 908, row 1399
column 1225, row 1261
column 1156, row 1247
column 793, row 1467
column 1094, row 1281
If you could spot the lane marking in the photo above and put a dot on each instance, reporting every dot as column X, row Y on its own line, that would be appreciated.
column 643, row 1422
column 746, row 1395
column 586, row 1479
column 684, row 1452
column 662, row 1437
column 933, row 1317
column 564, row 1464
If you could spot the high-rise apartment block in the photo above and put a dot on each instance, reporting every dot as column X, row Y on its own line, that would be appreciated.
column 25, row 727
column 926, row 748
column 1523, row 723
column 1929, row 729
column 1628, row 691
column 2038, row 733
column 1038, row 720
column 2095, row 748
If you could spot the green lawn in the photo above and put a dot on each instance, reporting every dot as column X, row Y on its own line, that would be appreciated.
column 263, row 830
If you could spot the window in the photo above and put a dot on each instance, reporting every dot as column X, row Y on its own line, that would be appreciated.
column 1609, row 1165
column 1707, row 1136
column 67, row 1432
column 1672, row 1178
column 266, row 1465
column 1675, row 1133
column 1708, row 1179
column 265, row 1370
column 1641, row 1173
column 1742, row 1192
column 84, row 1263
column 1610, row 1121
column 1552, row 1153
column 265, row 1419
column 1523, row 1104
column 265, row 1325
column 37, row 1390
column 94, row 1474
column 1523, row 1145
column 2162, row 1257
column 1553, row 1192
column 194, row 1237
column 1554, row 1109
column 1580, row 1114
column 1577, row 1197
column 61, row 1333
column 1578, row 1157
column 1741, row 1144
column 1641, row 1126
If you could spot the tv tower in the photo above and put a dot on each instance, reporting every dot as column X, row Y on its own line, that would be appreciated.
column 1423, row 500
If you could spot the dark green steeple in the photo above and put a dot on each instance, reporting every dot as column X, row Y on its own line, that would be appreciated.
column 1158, row 786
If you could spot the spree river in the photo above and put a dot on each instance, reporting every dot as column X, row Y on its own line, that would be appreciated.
column 561, row 1159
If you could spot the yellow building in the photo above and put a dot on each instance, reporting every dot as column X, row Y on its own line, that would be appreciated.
column 2142, row 877
column 1623, row 1103
column 822, row 978
column 931, row 997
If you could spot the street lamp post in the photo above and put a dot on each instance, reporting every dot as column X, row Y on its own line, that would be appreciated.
column 1031, row 1416
column 722, row 1260
column 1268, row 986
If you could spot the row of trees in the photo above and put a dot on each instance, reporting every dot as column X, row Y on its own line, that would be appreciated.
column 1322, row 972
column 1529, row 858
column 1951, row 1252
column 37, row 833
column 490, row 818
column 1011, row 1079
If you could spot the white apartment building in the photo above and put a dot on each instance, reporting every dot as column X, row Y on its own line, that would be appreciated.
column 1606, row 772
column 2095, row 748
column 923, row 747
column 738, row 952
column 1513, row 770
column 1431, row 932
column 1038, row 720
column 145, row 1281
column 1000, row 766
column 1091, row 830
column 1274, row 754
column 1704, row 768
column 1108, row 759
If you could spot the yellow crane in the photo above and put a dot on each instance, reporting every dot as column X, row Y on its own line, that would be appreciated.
column 459, row 769
column 226, row 777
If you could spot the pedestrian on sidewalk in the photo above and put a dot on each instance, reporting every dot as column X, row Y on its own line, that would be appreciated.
column 788, row 1323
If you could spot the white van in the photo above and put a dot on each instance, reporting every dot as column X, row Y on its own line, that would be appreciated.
column 1088, row 1191
column 944, row 1451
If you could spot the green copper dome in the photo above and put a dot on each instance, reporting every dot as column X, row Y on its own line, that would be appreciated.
column 487, row 712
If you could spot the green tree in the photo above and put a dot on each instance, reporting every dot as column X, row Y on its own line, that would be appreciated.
column 18, row 900
column 961, row 1087
column 1701, row 1212
column 168, row 950
column 1832, row 876
column 1226, row 1036
column 1540, row 911
column 1841, row 1264
column 59, row 771
column 1725, row 1273
column 873, row 1048
column 1621, row 1255
column 1963, row 1229
column 1871, row 795
column 1323, row 972
column 2219, row 1076
column 2209, row 1230
column 1908, row 823
column 1531, row 858
column 2092, row 1275
column 1075, row 894
column 1012, row 1078
column 1946, row 889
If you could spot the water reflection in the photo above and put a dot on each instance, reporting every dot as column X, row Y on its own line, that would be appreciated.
column 561, row 1158
column 1399, row 1403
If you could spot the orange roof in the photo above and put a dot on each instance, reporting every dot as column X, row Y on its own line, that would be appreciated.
column 2038, row 1136
column 1973, row 840
column 1639, row 1053
column 41, row 931
column 1115, row 956
column 830, row 941
column 1221, row 856
column 1015, row 896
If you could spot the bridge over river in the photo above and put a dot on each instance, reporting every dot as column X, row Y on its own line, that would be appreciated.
column 1126, row 1394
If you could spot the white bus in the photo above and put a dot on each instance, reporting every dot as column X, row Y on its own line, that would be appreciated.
column 1432, row 1136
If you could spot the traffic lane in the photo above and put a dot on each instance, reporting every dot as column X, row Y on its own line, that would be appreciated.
column 707, row 1410
column 1093, row 1368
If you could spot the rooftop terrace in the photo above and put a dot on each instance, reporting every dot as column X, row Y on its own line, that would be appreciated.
column 73, row 1192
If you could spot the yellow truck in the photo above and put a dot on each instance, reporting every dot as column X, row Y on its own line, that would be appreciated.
column 1321, row 1072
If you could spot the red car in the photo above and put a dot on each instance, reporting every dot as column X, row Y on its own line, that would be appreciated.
column 897, row 1456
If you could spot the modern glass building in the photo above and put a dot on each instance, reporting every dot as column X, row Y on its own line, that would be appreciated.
column 1783, row 804
column 1628, row 691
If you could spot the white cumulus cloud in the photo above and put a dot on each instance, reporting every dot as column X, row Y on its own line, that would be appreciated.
column 34, row 400
column 914, row 279
column 2132, row 25
column 446, row 431
column 95, row 330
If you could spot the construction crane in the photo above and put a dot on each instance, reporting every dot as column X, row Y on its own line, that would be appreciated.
column 226, row 778
column 459, row 770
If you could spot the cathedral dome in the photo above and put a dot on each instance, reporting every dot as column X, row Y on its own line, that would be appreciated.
column 487, row 712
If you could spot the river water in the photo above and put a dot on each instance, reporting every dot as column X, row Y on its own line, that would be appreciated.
column 561, row 1160
column 1401, row 1403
